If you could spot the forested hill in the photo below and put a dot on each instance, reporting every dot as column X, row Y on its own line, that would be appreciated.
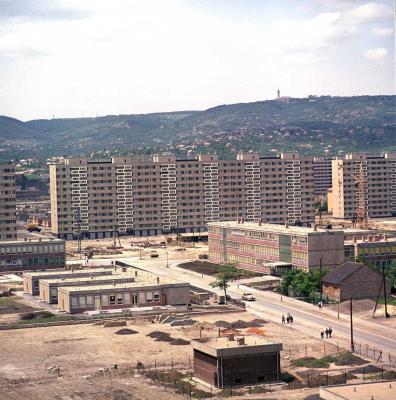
column 315, row 125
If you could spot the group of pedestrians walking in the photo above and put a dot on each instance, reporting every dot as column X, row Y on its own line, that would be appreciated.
column 328, row 331
column 288, row 319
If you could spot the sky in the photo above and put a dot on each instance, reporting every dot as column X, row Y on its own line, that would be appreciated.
column 83, row 58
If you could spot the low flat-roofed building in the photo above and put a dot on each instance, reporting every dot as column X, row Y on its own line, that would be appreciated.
column 232, row 361
column 31, row 280
column 385, row 390
column 49, row 287
column 253, row 245
column 147, row 290
column 32, row 255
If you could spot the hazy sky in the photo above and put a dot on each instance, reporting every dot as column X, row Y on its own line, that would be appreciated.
column 85, row 58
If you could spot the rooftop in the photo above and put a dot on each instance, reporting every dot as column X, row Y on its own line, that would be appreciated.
column 360, row 391
column 28, row 242
column 274, row 228
column 95, row 278
column 238, row 345
column 341, row 273
column 129, row 285
column 57, row 272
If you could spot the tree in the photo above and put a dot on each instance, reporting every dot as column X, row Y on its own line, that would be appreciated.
column 226, row 274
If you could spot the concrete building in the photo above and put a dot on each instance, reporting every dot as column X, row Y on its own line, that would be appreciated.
column 49, row 287
column 322, row 176
column 32, row 255
column 31, row 280
column 230, row 361
column 8, row 227
column 380, row 185
column 375, row 250
column 257, row 246
column 353, row 279
column 147, row 290
column 153, row 195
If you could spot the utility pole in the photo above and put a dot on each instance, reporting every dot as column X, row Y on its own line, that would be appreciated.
column 384, row 285
column 321, row 289
column 350, row 314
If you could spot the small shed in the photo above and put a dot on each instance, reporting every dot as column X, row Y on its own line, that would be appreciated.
column 353, row 279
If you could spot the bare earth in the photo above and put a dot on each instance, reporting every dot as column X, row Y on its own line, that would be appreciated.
column 76, row 362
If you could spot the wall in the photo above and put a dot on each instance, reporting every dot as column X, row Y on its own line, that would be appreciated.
column 205, row 367
column 331, row 291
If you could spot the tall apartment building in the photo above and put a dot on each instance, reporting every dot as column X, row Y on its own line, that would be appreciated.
column 322, row 176
column 8, row 227
column 379, row 172
column 153, row 195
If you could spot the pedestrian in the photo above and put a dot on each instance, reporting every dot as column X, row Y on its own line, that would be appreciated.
column 291, row 319
column 327, row 333
column 321, row 334
column 283, row 318
column 288, row 318
column 330, row 331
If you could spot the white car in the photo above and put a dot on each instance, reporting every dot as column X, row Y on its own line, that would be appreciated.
column 248, row 297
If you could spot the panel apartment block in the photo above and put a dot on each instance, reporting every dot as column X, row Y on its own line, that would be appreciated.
column 8, row 227
column 322, row 176
column 379, row 185
column 144, row 196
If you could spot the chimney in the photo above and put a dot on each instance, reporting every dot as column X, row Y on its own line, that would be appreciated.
column 354, row 239
column 260, row 222
column 158, row 280
column 230, row 337
column 114, row 283
column 241, row 341
column 286, row 225
column 136, row 273
column 315, row 227
column 242, row 220
column 386, row 238
column 239, row 220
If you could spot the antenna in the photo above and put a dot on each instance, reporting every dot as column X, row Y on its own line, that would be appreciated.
column 278, row 93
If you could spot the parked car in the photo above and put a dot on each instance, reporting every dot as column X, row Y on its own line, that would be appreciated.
column 248, row 297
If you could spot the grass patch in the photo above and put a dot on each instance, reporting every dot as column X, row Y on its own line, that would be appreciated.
column 348, row 358
column 211, row 269
column 390, row 301
column 40, row 320
column 312, row 362
column 12, row 305
column 388, row 375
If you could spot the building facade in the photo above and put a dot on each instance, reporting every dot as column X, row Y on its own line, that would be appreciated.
column 32, row 255
column 322, row 176
column 235, row 361
column 379, row 188
column 142, row 196
column 258, row 247
column 8, row 226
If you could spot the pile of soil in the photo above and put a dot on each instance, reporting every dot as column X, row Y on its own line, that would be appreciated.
column 159, row 336
column 222, row 324
column 240, row 324
column 359, row 306
column 228, row 331
column 256, row 331
column 349, row 359
column 126, row 331
column 180, row 342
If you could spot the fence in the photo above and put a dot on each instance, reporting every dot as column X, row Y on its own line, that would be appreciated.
column 376, row 354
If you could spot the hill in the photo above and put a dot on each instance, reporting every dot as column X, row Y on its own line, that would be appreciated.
column 316, row 125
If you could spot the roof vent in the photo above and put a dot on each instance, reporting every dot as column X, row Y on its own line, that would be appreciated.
column 241, row 341
column 231, row 337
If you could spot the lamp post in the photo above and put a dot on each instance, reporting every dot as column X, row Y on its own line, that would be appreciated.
column 350, row 314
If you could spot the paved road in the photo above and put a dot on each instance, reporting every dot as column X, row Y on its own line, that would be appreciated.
column 307, row 318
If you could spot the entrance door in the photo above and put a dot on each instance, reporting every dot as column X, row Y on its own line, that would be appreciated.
column 97, row 303
column 134, row 300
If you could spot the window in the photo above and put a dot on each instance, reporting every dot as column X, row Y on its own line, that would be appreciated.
column 90, row 301
column 74, row 302
column 149, row 297
column 112, row 299
column 127, row 298
column 156, row 296
column 119, row 298
column 81, row 301
column 105, row 300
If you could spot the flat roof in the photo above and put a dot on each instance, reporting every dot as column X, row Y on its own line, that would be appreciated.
column 223, row 346
column 56, row 272
column 360, row 391
column 275, row 228
column 27, row 242
column 129, row 285
column 112, row 277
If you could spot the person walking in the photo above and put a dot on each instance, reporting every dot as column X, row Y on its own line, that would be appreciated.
column 330, row 331
column 287, row 318
column 283, row 319
column 291, row 319
column 321, row 334
column 327, row 333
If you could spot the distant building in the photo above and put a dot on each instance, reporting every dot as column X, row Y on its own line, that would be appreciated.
column 257, row 246
column 8, row 226
column 380, row 185
column 233, row 361
column 32, row 255
column 353, row 279
column 143, row 196
column 322, row 176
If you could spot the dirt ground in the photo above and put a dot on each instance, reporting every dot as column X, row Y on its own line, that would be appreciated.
column 76, row 362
